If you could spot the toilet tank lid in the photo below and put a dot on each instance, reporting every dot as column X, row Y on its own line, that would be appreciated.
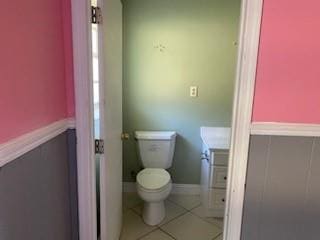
column 155, row 135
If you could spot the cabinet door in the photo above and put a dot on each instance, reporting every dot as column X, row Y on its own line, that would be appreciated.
column 220, row 158
column 217, row 202
column 219, row 177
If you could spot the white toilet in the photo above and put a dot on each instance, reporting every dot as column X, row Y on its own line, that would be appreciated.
column 154, row 185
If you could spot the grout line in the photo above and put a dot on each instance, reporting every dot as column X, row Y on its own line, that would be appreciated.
column 167, row 233
column 136, row 205
column 146, row 234
column 183, row 206
column 160, row 227
column 190, row 211
column 174, row 202
column 204, row 219
column 135, row 213
column 180, row 215
column 217, row 236
column 195, row 207
column 157, row 226
column 186, row 211
column 132, row 208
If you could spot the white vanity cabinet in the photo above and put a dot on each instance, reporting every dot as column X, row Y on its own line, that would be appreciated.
column 214, row 169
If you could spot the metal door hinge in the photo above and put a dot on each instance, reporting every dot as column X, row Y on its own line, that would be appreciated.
column 99, row 146
column 96, row 16
column 125, row 136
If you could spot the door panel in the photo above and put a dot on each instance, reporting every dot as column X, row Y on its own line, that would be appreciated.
column 111, row 121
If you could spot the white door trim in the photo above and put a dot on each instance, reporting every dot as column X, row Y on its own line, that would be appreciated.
column 82, row 60
column 246, row 70
column 250, row 23
column 285, row 129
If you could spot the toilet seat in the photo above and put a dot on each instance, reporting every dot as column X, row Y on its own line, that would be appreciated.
column 153, row 179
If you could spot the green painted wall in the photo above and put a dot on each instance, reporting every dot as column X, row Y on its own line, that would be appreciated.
column 170, row 45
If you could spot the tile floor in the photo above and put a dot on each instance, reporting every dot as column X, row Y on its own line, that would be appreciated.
column 184, row 220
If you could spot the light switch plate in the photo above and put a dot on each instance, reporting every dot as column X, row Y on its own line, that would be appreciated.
column 193, row 91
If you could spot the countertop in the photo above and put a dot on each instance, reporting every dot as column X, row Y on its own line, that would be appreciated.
column 216, row 138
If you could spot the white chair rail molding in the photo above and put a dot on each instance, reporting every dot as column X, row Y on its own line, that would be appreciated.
column 17, row 147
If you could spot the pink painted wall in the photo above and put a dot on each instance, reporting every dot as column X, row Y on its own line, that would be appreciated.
column 67, row 33
column 288, row 73
column 36, row 81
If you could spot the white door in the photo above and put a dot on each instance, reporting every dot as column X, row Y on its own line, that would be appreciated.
column 110, row 57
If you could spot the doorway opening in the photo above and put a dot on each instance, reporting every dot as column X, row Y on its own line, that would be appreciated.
column 175, row 70
column 179, row 71
column 110, row 187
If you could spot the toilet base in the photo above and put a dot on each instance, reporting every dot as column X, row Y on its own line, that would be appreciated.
column 153, row 212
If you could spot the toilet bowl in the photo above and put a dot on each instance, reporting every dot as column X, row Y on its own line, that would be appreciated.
column 153, row 186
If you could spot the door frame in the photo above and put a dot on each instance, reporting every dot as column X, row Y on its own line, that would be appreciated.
column 250, row 23
column 249, row 38
column 83, row 87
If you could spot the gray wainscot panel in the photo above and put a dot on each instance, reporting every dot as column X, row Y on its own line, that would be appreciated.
column 38, row 194
column 282, row 199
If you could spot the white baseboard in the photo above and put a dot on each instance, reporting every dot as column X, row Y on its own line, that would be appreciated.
column 183, row 189
column 17, row 147
column 285, row 129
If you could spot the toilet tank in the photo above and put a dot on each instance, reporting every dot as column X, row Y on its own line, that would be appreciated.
column 156, row 148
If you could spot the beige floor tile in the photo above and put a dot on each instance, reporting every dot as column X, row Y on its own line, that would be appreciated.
column 130, row 200
column 191, row 227
column 220, row 237
column 200, row 212
column 172, row 211
column 133, row 227
column 187, row 201
column 138, row 209
column 157, row 235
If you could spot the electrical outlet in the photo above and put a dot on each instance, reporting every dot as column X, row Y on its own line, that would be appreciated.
column 193, row 91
